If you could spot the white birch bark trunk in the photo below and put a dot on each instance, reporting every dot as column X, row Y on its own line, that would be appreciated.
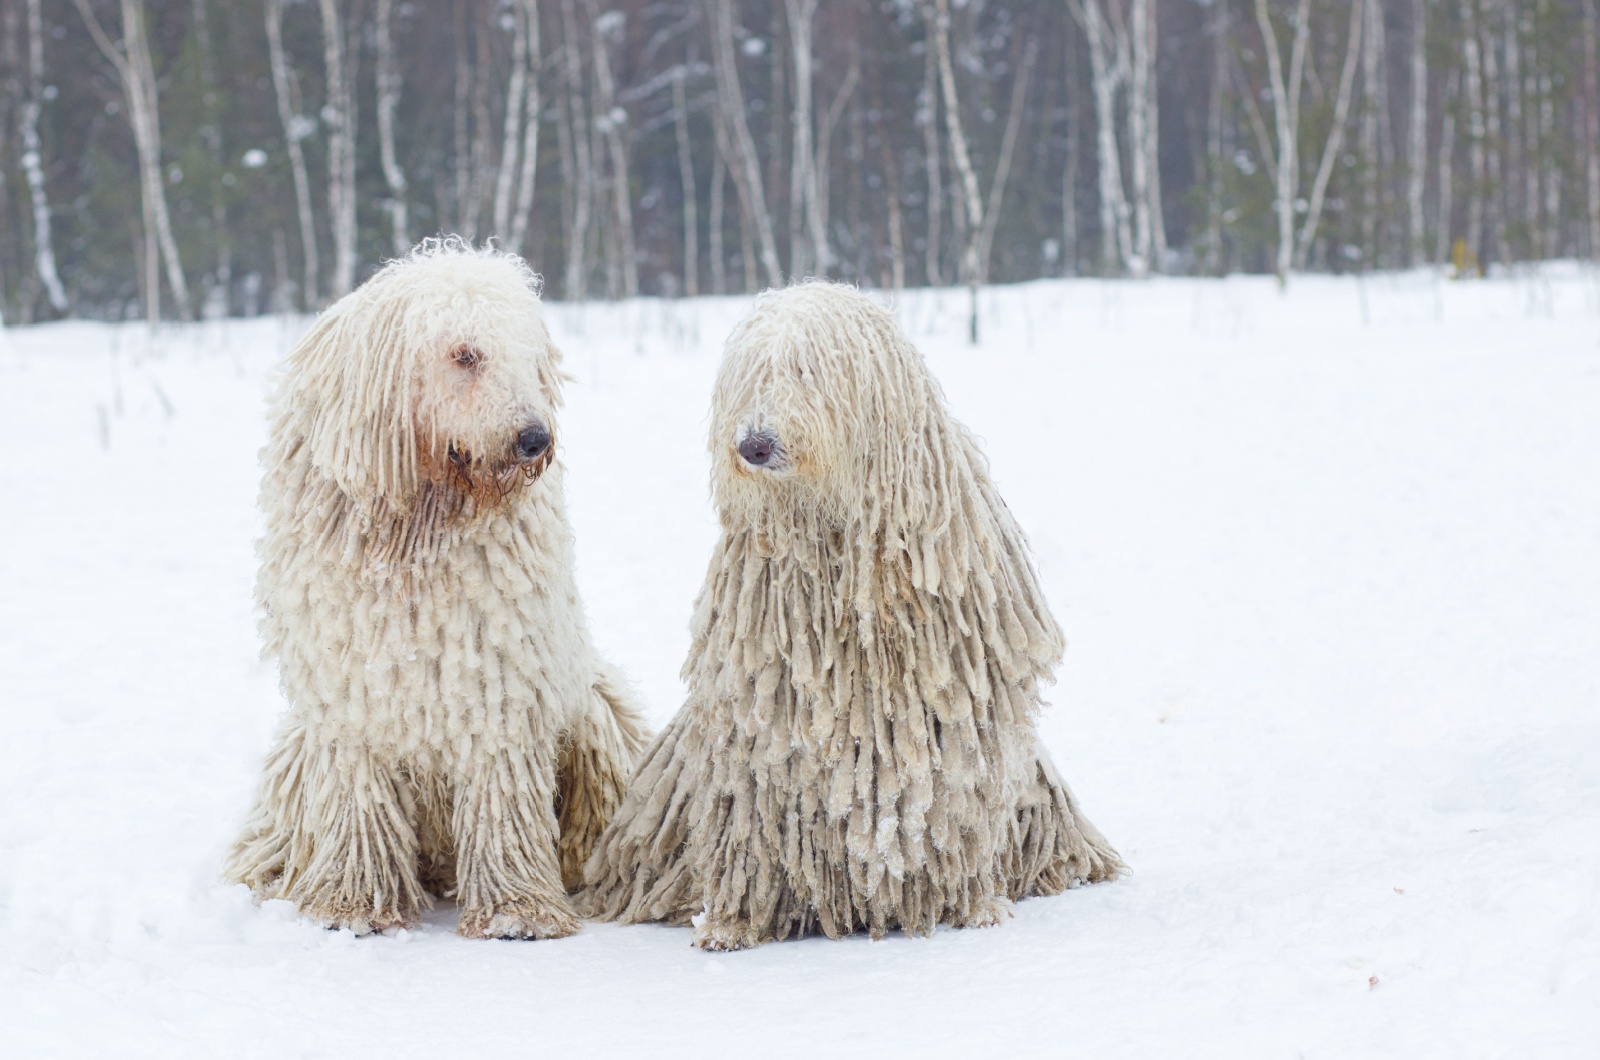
column 970, row 268
column 295, row 129
column 744, row 162
column 1106, row 73
column 339, row 114
column 933, row 157
column 44, row 254
column 1286, row 121
column 1591, row 107
column 511, row 130
column 804, row 254
column 136, row 73
column 1008, row 144
column 820, row 169
column 389, row 82
column 1447, row 150
column 1139, row 134
column 1330, row 150
column 691, row 207
column 522, row 215
column 1416, row 157
column 613, row 121
column 582, row 179
column 1475, row 125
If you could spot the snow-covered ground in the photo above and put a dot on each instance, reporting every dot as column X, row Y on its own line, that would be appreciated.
column 1329, row 566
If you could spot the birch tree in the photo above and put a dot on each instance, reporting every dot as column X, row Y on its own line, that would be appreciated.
column 44, row 254
column 1109, row 63
column 137, row 77
column 970, row 265
column 1417, row 153
column 690, row 210
column 612, row 122
column 1283, row 152
column 296, row 127
column 744, row 161
column 339, row 113
column 388, row 78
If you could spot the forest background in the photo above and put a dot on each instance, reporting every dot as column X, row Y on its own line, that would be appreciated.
column 188, row 158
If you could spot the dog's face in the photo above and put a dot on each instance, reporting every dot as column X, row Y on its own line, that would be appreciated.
column 438, row 373
column 819, row 405
column 486, row 386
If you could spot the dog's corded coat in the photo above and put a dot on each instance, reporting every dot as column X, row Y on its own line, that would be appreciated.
column 857, row 750
column 451, row 731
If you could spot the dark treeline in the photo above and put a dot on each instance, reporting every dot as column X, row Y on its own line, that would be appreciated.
column 190, row 157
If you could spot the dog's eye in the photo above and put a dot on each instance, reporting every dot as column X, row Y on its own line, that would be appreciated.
column 466, row 357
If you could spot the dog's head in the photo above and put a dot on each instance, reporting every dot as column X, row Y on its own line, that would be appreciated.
column 438, row 372
column 823, row 409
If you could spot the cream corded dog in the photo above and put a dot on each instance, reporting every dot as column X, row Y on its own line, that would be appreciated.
column 450, row 728
column 857, row 751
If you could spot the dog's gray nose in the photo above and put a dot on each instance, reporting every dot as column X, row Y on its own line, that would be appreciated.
column 532, row 441
column 756, row 449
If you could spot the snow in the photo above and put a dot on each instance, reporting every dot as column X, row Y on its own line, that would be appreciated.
column 1329, row 565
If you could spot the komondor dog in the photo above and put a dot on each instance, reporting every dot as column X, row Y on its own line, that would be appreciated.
column 450, row 729
column 857, row 751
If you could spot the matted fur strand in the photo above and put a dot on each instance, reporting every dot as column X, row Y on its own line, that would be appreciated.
column 857, row 751
column 451, row 731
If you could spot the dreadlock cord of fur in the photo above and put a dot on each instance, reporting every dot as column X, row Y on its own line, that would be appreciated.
column 857, row 750
column 451, row 732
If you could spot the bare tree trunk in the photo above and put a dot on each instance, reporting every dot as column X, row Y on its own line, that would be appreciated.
column 1140, row 135
column 1494, row 193
column 970, row 266
column 1218, row 32
column 1591, row 109
column 1152, row 146
column 891, row 187
column 44, row 254
column 1008, row 143
column 802, row 172
column 211, row 135
column 1286, row 116
column 388, row 76
column 1108, row 67
column 1371, row 162
column 340, row 115
column 928, row 118
column 582, row 178
column 613, row 122
column 522, row 215
column 1069, row 172
column 295, row 129
column 1447, row 149
column 821, row 190
column 505, row 181
column 461, row 126
column 1417, row 155
column 691, row 218
column 719, row 258
column 1330, row 151
column 137, row 75
column 744, row 162
column 1475, row 125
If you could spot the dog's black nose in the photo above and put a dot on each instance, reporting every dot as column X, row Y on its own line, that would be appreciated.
column 532, row 441
column 756, row 449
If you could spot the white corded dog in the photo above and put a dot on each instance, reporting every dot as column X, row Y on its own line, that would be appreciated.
column 857, row 751
column 450, row 728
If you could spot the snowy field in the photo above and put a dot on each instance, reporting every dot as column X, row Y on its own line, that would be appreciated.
column 1329, row 566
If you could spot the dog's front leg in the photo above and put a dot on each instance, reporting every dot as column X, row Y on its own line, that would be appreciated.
column 334, row 835
column 508, row 878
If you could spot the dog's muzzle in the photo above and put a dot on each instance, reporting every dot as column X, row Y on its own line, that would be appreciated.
column 756, row 448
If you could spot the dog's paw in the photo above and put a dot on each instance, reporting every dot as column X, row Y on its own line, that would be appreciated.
column 518, row 920
column 988, row 913
column 726, row 935
column 360, row 924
